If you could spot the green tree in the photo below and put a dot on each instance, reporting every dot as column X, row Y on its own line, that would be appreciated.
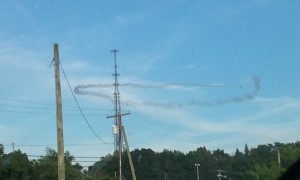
column 147, row 164
column 15, row 166
column 1, row 150
column 255, row 163
column 106, row 167
column 246, row 150
column 1, row 154
column 264, row 172
column 46, row 167
column 239, row 165
column 206, row 160
column 289, row 153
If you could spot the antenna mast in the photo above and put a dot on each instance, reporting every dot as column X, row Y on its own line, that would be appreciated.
column 117, row 99
column 117, row 127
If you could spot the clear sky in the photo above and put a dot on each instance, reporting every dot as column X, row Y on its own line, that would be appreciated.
column 219, row 74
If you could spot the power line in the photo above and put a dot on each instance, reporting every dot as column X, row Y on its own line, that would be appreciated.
column 51, row 145
column 23, row 112
column 81, row 112
column 49, row 137
column 47, row 113
column 49, row 108
column 26, row 107
column 78, row 157
column 171, row 128
column 30, row 102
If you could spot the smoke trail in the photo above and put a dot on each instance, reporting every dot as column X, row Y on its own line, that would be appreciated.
column 171, row 104
column 154, row 86
column 168, row 105
column 235, row 99
column 199, row 103
column 78, row 91
column 256, row 81
column 171, row 85
column 94, row 86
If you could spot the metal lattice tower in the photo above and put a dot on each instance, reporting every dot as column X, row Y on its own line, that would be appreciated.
column 117, row 99
column 117, row 127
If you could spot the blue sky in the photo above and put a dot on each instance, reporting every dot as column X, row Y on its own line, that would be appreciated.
column 219, row 74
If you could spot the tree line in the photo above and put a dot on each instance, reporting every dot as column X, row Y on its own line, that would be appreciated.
column 268, row 162
column 265, row 162
column 16, row 166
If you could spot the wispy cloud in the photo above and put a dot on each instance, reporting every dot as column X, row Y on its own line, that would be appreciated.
column 251, row 131
column 128, row 19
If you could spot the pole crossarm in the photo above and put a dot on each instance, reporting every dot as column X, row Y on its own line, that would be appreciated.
column 112, row 116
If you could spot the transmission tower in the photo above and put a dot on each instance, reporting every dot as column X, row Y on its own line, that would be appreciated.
column 117, row 127
column 117, row 101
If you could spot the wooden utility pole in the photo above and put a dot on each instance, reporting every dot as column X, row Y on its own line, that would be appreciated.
column 129, row 155
column 60, row 139
column 120, row 145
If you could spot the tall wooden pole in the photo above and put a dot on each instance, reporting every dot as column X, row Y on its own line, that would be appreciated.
column 120, row 145
column 60, row 139
column 129, row 155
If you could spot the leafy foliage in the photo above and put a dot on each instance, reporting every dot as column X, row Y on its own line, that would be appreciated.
column 16, row 166
column 46, row 166
column 256, row 163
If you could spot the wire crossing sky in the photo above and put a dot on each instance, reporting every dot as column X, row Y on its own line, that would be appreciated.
column 219, row 74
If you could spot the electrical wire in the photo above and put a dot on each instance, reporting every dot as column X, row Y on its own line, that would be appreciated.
column 77, row 157
column 51, row 145
column 81, row 112
column 44, row 104
column 26, row 107
column 172, row 129
column 48, row 137
column 23, row 112
column 47, row 113
column 30, row 102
